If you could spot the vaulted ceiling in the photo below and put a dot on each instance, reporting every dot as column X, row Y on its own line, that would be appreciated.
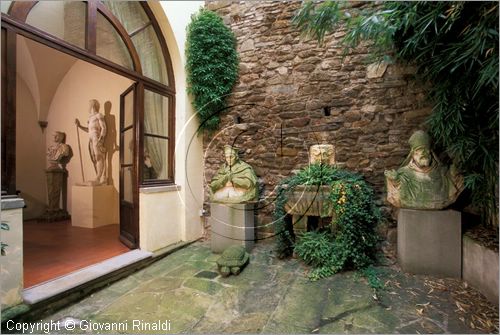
column 42, row 69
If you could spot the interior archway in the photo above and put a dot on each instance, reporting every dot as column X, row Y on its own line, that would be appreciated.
column 52, row 249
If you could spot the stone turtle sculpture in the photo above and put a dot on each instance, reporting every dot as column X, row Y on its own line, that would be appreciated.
column 233, row 260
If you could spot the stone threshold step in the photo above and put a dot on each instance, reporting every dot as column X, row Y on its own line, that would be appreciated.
column 80, row 277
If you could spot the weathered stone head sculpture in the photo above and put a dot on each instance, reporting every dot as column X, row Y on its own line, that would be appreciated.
column 322, row 153
column 235, row 181
column 423, row 182
column 231, row 155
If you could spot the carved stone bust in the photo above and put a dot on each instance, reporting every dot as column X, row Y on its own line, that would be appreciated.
column 235, row 181
column 58, row 153
column 423, row 182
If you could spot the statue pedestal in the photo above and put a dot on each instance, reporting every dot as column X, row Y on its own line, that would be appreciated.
column 56, row 185
column 430, row 242
column 92, row 206
column 232, row 224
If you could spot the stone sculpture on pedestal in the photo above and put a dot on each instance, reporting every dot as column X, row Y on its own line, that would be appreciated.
column 233, row 193
column 423, row 182
column 58, row 155
column 92, row 199
column 429, row 237
column 235, row 182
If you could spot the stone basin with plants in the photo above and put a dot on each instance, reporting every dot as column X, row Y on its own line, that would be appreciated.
column 309, row 200
column 350, row 240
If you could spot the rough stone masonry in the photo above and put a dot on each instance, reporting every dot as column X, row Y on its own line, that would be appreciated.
column 293, row 93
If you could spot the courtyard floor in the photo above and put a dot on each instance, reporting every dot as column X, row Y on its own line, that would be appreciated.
column 275, row 296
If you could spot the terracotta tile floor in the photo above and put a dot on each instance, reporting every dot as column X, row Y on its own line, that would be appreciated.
column 55, row 249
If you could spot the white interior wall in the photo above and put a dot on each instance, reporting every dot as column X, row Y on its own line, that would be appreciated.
column 83, row 82
column 30, row 153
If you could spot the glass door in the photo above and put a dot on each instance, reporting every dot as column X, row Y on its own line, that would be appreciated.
column 129, row 198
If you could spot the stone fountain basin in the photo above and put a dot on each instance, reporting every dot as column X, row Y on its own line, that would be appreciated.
column 309, row 200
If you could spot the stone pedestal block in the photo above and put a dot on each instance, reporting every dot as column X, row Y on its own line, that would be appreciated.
column 12, row 262
column 56, row 185
column 430, row 242
column 92, row 206
column 232, row 224
column 55, row 180
column 480, row 268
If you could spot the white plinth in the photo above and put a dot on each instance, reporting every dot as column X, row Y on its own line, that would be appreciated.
column 92, row 206
column 232, row 224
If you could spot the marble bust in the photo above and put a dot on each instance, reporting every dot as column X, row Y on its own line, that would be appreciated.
column 423, row 182
column 58, row 153
column 235, row 181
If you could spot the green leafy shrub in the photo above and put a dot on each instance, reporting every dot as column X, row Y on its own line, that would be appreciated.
column 454, row 45
column 318, row 249
column 314, row 248
column 212, row 66
column 351, row 239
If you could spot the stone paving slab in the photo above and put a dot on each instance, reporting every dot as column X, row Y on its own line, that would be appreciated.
column 272, row 296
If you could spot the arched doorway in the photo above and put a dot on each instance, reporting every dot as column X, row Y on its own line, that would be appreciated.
column 118, row 37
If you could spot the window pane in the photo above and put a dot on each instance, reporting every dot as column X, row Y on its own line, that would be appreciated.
column 156, row 110
column 155, row 158
column 128, row 185
column 149, row 50
column 155, row 114
column 128, row 142
column 110, row 45
column 63, row 19
column 128, row 109
column 129, row 13
column 4, row 5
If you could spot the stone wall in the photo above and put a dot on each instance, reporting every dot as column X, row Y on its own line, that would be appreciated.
column 293, row 93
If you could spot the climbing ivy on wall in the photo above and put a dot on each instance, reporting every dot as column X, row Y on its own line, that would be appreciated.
column 212, row 66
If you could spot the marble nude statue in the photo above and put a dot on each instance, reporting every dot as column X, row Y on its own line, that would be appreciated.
column 96, row 127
